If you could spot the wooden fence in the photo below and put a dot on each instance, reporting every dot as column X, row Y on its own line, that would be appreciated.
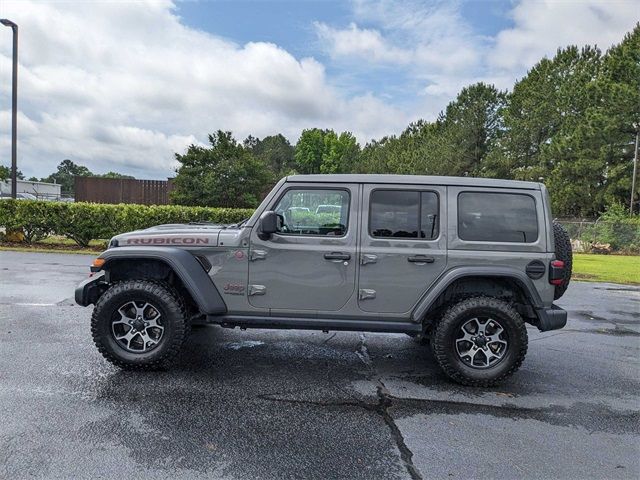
column 122, row 190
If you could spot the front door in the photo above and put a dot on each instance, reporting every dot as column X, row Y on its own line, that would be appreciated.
column 403, row 245
column 310, row 263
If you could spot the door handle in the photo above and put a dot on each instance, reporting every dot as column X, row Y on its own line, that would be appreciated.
column 421, row 259
column 337, row 256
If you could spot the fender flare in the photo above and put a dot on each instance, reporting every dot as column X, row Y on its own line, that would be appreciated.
column 450, row 276
column 194, row 277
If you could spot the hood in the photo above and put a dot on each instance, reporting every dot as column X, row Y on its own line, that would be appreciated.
column 171, row 235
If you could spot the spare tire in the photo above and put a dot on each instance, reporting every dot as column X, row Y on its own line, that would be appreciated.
column 564, row 253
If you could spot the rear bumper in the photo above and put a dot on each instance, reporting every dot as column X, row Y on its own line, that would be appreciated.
column 552, row 318
column 90, row 289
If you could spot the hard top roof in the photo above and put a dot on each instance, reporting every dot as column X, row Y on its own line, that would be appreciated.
column 414, row 180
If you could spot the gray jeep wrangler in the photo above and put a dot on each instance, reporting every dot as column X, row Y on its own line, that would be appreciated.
column 461, row 262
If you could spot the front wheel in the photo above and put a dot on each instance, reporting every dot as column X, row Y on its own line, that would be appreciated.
column 480, row 341
column 139, row 324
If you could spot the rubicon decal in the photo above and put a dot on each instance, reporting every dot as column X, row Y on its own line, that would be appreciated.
column 168, row 241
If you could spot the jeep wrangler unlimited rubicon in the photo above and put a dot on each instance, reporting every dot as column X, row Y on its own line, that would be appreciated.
column 461, row 262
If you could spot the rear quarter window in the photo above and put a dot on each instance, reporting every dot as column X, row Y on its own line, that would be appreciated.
column 497, row 217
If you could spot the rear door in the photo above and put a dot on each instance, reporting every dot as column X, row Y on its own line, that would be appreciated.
column 403, row 245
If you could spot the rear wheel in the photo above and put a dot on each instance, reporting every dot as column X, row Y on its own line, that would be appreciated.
column 480, row 341
column 139, row 324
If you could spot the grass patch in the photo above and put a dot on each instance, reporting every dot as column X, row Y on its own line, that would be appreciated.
column 19, row 247
column 55, row 244
column 57, row 241
column 623, row 269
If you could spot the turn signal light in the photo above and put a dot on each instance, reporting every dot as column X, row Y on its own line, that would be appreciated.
column 97, row 264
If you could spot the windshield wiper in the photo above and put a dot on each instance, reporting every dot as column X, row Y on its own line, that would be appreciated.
column 237, row 225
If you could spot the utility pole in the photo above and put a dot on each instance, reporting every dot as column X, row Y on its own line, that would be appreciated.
column 635, row 169
column 14, row 108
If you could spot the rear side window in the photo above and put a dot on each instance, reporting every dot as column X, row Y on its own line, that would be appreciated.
column 497, row 217
column 403, row 214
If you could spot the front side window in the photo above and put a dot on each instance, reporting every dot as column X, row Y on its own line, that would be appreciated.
column 497, row 217
column 313, row 212
column 403, row 214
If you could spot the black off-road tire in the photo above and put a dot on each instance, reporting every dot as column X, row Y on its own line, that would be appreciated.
column 169, row 304
column 564, row 252
column 445, row 332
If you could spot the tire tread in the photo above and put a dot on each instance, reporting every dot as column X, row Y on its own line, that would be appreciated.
column 439, row 343
column 152, row 287
column 564, row 252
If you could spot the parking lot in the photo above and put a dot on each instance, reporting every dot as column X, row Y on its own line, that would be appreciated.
column 287, row 404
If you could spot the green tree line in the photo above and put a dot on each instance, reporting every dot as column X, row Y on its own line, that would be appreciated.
column 570, row 122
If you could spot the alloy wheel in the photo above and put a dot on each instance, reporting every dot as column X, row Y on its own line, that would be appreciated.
column 137, row 327
column 481, row 342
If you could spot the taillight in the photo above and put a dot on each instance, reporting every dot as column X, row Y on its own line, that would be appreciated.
column 556, row 272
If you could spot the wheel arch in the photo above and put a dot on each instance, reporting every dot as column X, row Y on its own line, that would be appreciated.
column 464, row 281
column 177, row 266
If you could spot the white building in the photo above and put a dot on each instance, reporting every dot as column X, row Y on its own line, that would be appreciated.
column 40, row 190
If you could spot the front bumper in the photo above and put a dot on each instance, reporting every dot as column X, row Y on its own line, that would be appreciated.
column 90, row 289
column 552, row 318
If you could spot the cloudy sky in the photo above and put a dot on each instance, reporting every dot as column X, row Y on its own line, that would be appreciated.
column 121, row 86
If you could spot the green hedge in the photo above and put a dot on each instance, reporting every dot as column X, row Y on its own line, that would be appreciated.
column 83, row 222
column 615, row 228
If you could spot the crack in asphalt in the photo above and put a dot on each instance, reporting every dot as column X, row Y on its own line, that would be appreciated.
column 385, row 402
column 362, row 352
column 325, row 342
column 381, row 407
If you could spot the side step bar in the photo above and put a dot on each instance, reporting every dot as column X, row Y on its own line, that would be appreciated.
column 242, row 321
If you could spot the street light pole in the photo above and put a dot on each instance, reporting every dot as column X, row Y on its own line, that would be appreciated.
column 635, row 169
column 14, row 108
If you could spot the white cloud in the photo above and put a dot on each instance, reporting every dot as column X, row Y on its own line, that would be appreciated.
column 428, row 42
column 124, row 85
column 541, row 26
column 418, row 35
column 439, row 50
column 354, row 41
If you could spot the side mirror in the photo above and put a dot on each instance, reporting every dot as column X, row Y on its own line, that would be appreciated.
column 268, row 224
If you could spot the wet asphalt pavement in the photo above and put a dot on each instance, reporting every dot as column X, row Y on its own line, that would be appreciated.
column 287, row 404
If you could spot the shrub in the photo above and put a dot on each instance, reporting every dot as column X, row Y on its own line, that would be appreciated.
column 620, row 229
column 31, row 217
column 7, row 214
column 617, row 228
column 83, row 222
